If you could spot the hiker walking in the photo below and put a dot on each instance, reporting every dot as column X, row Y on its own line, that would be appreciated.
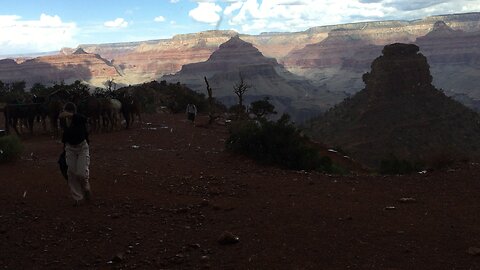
column 75, row 139
column 191, row 112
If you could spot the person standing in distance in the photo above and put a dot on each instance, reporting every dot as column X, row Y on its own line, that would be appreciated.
column 191, row 112
column 77, row 153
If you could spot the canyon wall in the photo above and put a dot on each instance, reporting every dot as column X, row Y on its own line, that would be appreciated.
column 333, row 57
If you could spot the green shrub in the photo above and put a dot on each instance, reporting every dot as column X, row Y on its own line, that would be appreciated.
column 278, row 143
column 10, row 148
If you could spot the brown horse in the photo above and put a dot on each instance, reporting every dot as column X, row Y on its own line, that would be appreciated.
column 131, row 107
column 91, row 107
column 18, row 114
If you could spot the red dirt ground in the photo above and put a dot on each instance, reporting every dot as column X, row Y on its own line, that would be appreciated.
column 165, row 204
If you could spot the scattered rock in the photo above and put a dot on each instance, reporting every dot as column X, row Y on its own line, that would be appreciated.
column 407, row 200
column 228, row 238
column 178, row 259
column 474, row 251
column 195, row 246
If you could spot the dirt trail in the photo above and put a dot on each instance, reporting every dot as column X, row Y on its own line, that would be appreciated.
column 165, row 192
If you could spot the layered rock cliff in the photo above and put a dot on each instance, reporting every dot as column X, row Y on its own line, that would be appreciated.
column 141, row 61
column 400, row 114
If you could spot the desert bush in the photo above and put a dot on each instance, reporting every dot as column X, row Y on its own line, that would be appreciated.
column 278, row 143
column 262, row 108
column 10, row 148
column 238, row 112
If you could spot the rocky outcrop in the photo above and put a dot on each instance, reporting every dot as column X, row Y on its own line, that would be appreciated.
column 68, row 68
column 401, row 114
column 235, row 58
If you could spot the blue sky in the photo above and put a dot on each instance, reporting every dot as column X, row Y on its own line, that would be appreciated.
column 28, row 26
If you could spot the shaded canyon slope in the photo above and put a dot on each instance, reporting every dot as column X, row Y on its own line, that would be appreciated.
column 235, row 58
column 78, row 65
column 400, row 113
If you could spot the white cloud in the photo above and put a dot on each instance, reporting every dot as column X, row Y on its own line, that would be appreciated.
column 174, row 1
column 159, row 19
column 117, row 23
column 206, row 12
column 254, row 16
column 233, row 7
column 48, row 33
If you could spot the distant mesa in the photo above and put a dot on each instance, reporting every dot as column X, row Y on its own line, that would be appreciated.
column 401, row 114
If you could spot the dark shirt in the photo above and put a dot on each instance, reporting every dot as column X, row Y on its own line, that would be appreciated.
column 76, row 132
